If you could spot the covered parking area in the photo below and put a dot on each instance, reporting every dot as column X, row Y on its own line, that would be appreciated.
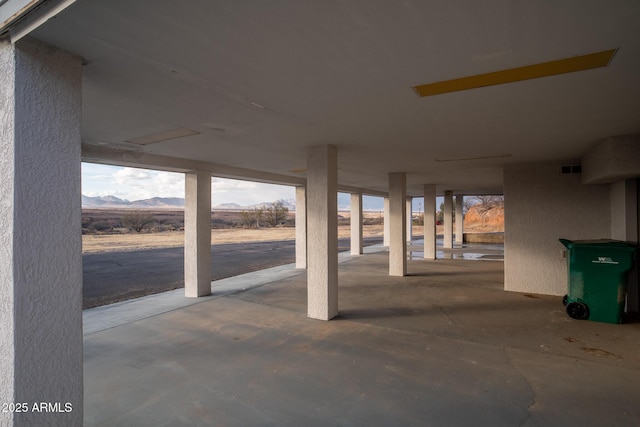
column 442, row 346
column 539, row 102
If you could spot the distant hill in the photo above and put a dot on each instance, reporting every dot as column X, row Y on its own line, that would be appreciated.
column 159, row 202
column 103, row 202
column 290, row 204
column 230, row 206
column 113, row 202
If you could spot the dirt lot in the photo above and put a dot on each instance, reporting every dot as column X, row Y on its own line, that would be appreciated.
column 168, row 239
column 167, row 230
column 103, row 230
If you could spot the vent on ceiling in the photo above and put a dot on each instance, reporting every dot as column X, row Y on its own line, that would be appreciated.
column 570, row 169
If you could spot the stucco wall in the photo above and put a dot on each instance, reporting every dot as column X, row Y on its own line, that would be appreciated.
column 41, row 258
column 541, row 206
column 624, row 211
column 7, row 110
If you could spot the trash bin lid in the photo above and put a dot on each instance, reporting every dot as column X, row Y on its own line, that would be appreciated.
column 599, row 244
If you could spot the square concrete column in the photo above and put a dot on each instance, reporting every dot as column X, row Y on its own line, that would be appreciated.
column 40, row 233
column 459, row 218
column 301, row 227
column 429, row 221
column 624, row 211
column 385, row 233
column 397, row 224
column 356, row 224
column 322, row 232
column 448, row 219
column 197, row 234
column 625, row 227
column 409, row 219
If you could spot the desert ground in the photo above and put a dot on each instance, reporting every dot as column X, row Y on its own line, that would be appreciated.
column 167, row 230
column 170, row 239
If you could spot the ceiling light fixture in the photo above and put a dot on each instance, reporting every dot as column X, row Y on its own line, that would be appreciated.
column 499, row 156
column 163, row 136
column 545, row 69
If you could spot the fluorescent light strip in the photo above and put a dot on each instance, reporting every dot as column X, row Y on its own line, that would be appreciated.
column 545, row 69
column 163, row 136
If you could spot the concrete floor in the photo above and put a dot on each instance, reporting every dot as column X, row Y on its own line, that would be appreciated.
column 444, row 346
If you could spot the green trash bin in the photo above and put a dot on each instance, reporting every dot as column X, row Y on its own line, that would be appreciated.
column 598, row 273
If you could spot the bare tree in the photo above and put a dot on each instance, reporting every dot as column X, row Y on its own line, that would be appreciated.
column 245, row 219
column 483, row 204
column 276, row 213
column 252, row 217
column 257, row 215
column 136, row 220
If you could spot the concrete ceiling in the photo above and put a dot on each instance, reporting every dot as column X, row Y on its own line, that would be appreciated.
column 263, row 80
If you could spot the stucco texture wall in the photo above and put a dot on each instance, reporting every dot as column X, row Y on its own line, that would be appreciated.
column 41, row 258
column 7, row 109
column 541, row 206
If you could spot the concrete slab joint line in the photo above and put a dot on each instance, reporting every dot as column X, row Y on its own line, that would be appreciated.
column 532, row 400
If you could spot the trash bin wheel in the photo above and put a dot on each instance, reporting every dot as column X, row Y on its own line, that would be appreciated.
column 578, row 310
column 565, row 300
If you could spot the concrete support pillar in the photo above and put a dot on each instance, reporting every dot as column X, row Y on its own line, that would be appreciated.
column 387, row 222
column 624, row 211
column 624, row 226
column 409, row 219
column 40, row 242
column 301, row 227
column 322, row 231
column 397, row 224
column 356, row 224
column 448, row 219
column 459, row 218
column 197, row 234
column 429, row 221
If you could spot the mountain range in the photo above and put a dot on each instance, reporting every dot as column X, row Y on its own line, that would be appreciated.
column 113, row 202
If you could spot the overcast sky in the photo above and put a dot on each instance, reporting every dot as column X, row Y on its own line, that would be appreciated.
column 138, row 184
